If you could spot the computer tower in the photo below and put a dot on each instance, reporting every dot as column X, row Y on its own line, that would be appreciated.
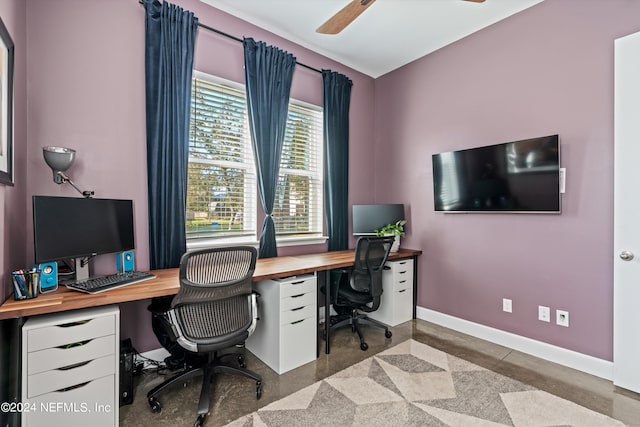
column 126, row 372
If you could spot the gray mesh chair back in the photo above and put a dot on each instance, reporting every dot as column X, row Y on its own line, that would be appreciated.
column 214, row 310
column 363, row 288
column 371, row 254
column 215, row 307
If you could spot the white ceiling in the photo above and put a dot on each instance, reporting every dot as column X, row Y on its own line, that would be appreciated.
column 388, row 35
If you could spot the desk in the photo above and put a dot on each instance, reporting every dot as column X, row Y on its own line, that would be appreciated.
column 168, row 283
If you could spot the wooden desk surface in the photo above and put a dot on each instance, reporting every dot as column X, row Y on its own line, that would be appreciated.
column 167, row 283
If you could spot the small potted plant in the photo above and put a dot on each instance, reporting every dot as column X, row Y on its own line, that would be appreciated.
column 396, row 230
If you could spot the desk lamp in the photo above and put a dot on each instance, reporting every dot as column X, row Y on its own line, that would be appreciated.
column 59, row 160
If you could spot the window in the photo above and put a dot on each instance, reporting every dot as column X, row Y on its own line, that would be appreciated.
column 298, row 204
column 222, row 184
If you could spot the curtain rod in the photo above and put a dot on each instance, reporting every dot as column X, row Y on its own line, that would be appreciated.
column 238, row 39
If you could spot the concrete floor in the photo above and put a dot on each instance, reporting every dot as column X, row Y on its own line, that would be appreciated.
column 233, row 397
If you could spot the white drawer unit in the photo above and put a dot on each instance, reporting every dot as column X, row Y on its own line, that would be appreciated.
column 285, row 337
column 70, row 364
column 396, row 302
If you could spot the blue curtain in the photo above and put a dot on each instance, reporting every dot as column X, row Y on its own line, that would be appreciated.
column 337, row 97
column 268, row 74
column 170, row 34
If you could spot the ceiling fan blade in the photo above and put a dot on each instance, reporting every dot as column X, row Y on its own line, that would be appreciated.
column 475, row 1
column 344, row 17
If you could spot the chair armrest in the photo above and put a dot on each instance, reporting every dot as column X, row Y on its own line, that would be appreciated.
column 255, row 308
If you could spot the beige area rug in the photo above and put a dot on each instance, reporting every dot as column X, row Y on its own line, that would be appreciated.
column 413, row 384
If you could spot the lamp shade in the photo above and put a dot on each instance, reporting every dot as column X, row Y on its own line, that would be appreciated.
column 59, row 159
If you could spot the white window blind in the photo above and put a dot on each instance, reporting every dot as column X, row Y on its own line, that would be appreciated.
column 221, row 189
column 222, row 185
column 298, row 205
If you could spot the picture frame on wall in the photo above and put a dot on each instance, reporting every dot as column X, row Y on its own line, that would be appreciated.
column 6, row 105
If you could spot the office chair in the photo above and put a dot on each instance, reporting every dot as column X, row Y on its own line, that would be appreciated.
column 215, row 309
column 358, row 289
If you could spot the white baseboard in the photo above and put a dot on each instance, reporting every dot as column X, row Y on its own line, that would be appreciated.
column 572, row 359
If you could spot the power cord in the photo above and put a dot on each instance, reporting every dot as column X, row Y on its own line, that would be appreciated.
column 145, row 365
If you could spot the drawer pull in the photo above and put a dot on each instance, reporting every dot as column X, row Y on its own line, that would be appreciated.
column 297, row 296
column 298, row 321
column 401, row 291
column 298, row 308
column 72, row 324
column 73, row 387
column 75, row 365
column 297, row 283
column 74, row 344
column 402, row 281
column 402, row 263
column 402, row 272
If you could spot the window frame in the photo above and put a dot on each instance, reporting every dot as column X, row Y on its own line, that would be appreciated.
column 282, row 240
column 248, row 165
column 317, row 179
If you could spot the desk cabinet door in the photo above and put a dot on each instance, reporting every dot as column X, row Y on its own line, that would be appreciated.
column 298, row 345
column 396, row 302
column 92, row 404
column 70, row 368
column 285, row 337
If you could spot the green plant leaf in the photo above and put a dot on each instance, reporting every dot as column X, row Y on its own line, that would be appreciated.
column 396, row 229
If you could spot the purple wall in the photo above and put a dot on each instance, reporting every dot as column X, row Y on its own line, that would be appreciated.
column 86, row 91
column 546, row 70
column 13, row 199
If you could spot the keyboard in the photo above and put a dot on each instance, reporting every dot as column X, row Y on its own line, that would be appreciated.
column 95, row 285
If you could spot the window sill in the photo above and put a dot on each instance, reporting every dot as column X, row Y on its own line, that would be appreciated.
column 301, row 240
column 244, row 241
column 220, row 243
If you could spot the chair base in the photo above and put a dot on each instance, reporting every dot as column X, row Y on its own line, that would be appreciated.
column 355, row 320
column 207, row 371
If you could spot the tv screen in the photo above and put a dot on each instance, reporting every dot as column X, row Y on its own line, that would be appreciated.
column 71, row 227
column 519, row 176
column 368, row 218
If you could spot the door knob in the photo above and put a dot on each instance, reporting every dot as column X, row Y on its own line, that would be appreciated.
column 626, row 255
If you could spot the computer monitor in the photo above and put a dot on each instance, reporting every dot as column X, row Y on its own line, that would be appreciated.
column 73, row 227
column 368, row 218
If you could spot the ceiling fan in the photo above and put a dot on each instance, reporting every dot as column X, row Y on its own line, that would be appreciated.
column 349, row 13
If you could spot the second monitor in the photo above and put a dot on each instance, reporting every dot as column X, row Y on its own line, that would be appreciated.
column 368, row 218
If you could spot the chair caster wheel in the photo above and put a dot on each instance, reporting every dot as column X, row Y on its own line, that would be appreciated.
column 258, row 389
column 363, row 346
column 155, row 405
column 200, row 420
column 241, row 362
column 388, row 333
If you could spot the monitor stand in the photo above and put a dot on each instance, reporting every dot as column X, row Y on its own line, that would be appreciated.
column 82, row 269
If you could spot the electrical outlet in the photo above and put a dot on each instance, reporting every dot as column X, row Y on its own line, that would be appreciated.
column 562, row 318
column 506, row 305
column 544, row 313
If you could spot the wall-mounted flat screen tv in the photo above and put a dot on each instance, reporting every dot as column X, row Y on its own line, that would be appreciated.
column 518, row 176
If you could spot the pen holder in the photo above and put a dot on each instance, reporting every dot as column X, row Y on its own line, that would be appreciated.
column 26, row 283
